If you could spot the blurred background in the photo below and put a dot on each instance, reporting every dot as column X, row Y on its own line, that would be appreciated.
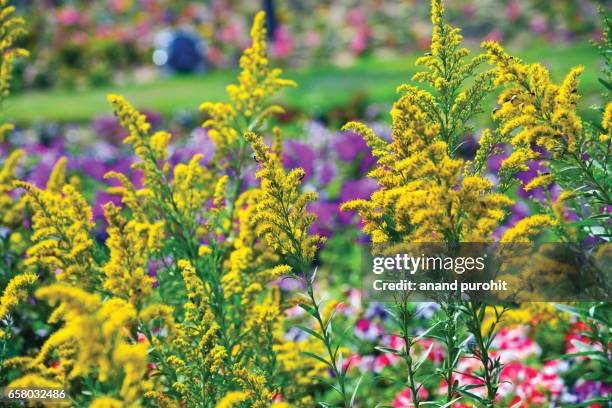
column 149, row 49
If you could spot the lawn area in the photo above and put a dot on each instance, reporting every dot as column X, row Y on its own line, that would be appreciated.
column 320, row 88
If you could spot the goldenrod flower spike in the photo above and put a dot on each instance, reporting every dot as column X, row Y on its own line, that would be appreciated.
column 62, row 225
column 232, row 399
column 606, row 124
column 247, row 109
column 527, row 228
column 281, row 213
column 15, row 292
column 533, row 108
column 130, row 244
column 12, row 28
column 11, row 208
column 57, row 178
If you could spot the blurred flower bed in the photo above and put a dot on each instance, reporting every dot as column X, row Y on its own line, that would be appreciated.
column 82, row 43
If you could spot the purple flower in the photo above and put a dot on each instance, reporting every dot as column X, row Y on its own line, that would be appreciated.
column 109, row 128
column 349, row 145
column 326, row 171
column 376, row 310
column 298, row 154
column 353, row 190
column 495, row 161
column 101, row 198
column 327, row 213
column 584, row 389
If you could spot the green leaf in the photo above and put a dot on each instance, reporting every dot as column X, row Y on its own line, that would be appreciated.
column 355, row 390
column 423, row 357
column 571, row 310
column 605, row 83
column 309, row 309
column 469, row 394
column 591, row 401
column 426, row 332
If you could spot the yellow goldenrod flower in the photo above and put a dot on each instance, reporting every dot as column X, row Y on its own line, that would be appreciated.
column 161, row 400
column 133, row 359
column 231, row 399
column 542, row 180
column 63, row 243
column 11, row 208
column 220, row 191
column 106, row 402
column 527, row 228
column 256, row 83
column 559, row 205
column 281, row 214
column 130, row 243
column 34, row 381
column 540, row 111
column 15, row 292
column 57, row 178
column 98, row 330
column 5, row 128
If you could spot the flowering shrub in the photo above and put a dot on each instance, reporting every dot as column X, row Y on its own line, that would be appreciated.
column 196, row 283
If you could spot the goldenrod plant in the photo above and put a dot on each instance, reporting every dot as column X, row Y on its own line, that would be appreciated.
column 214, row 339
column 427, row 193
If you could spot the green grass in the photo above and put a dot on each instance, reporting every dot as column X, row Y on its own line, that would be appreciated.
column 320, row 88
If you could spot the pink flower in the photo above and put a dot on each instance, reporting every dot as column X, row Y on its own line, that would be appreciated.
column 369, row 331
column 384, row 360
column 514, row 344
column 513, row 10
column 312, row 39
column 495, row 35
column 404, row 398
column 283, row 43
column 538, row 24
column 68, row 16
column 533, row 386
column 360, row 40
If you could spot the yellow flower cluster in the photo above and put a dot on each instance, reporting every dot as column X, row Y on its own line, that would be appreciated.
column 541, row 180
column 281, row 212
column 12, row 28
column 256, row 83
column 130, row 244
column 62, row 222
column 446, row 73
column 606, row 124
column 93, row 340
column 424, row 195
column 533, row 109
column 11, row 209
column 232, row 399
column 525, row 229
column 15, row 292
column 179, row 198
